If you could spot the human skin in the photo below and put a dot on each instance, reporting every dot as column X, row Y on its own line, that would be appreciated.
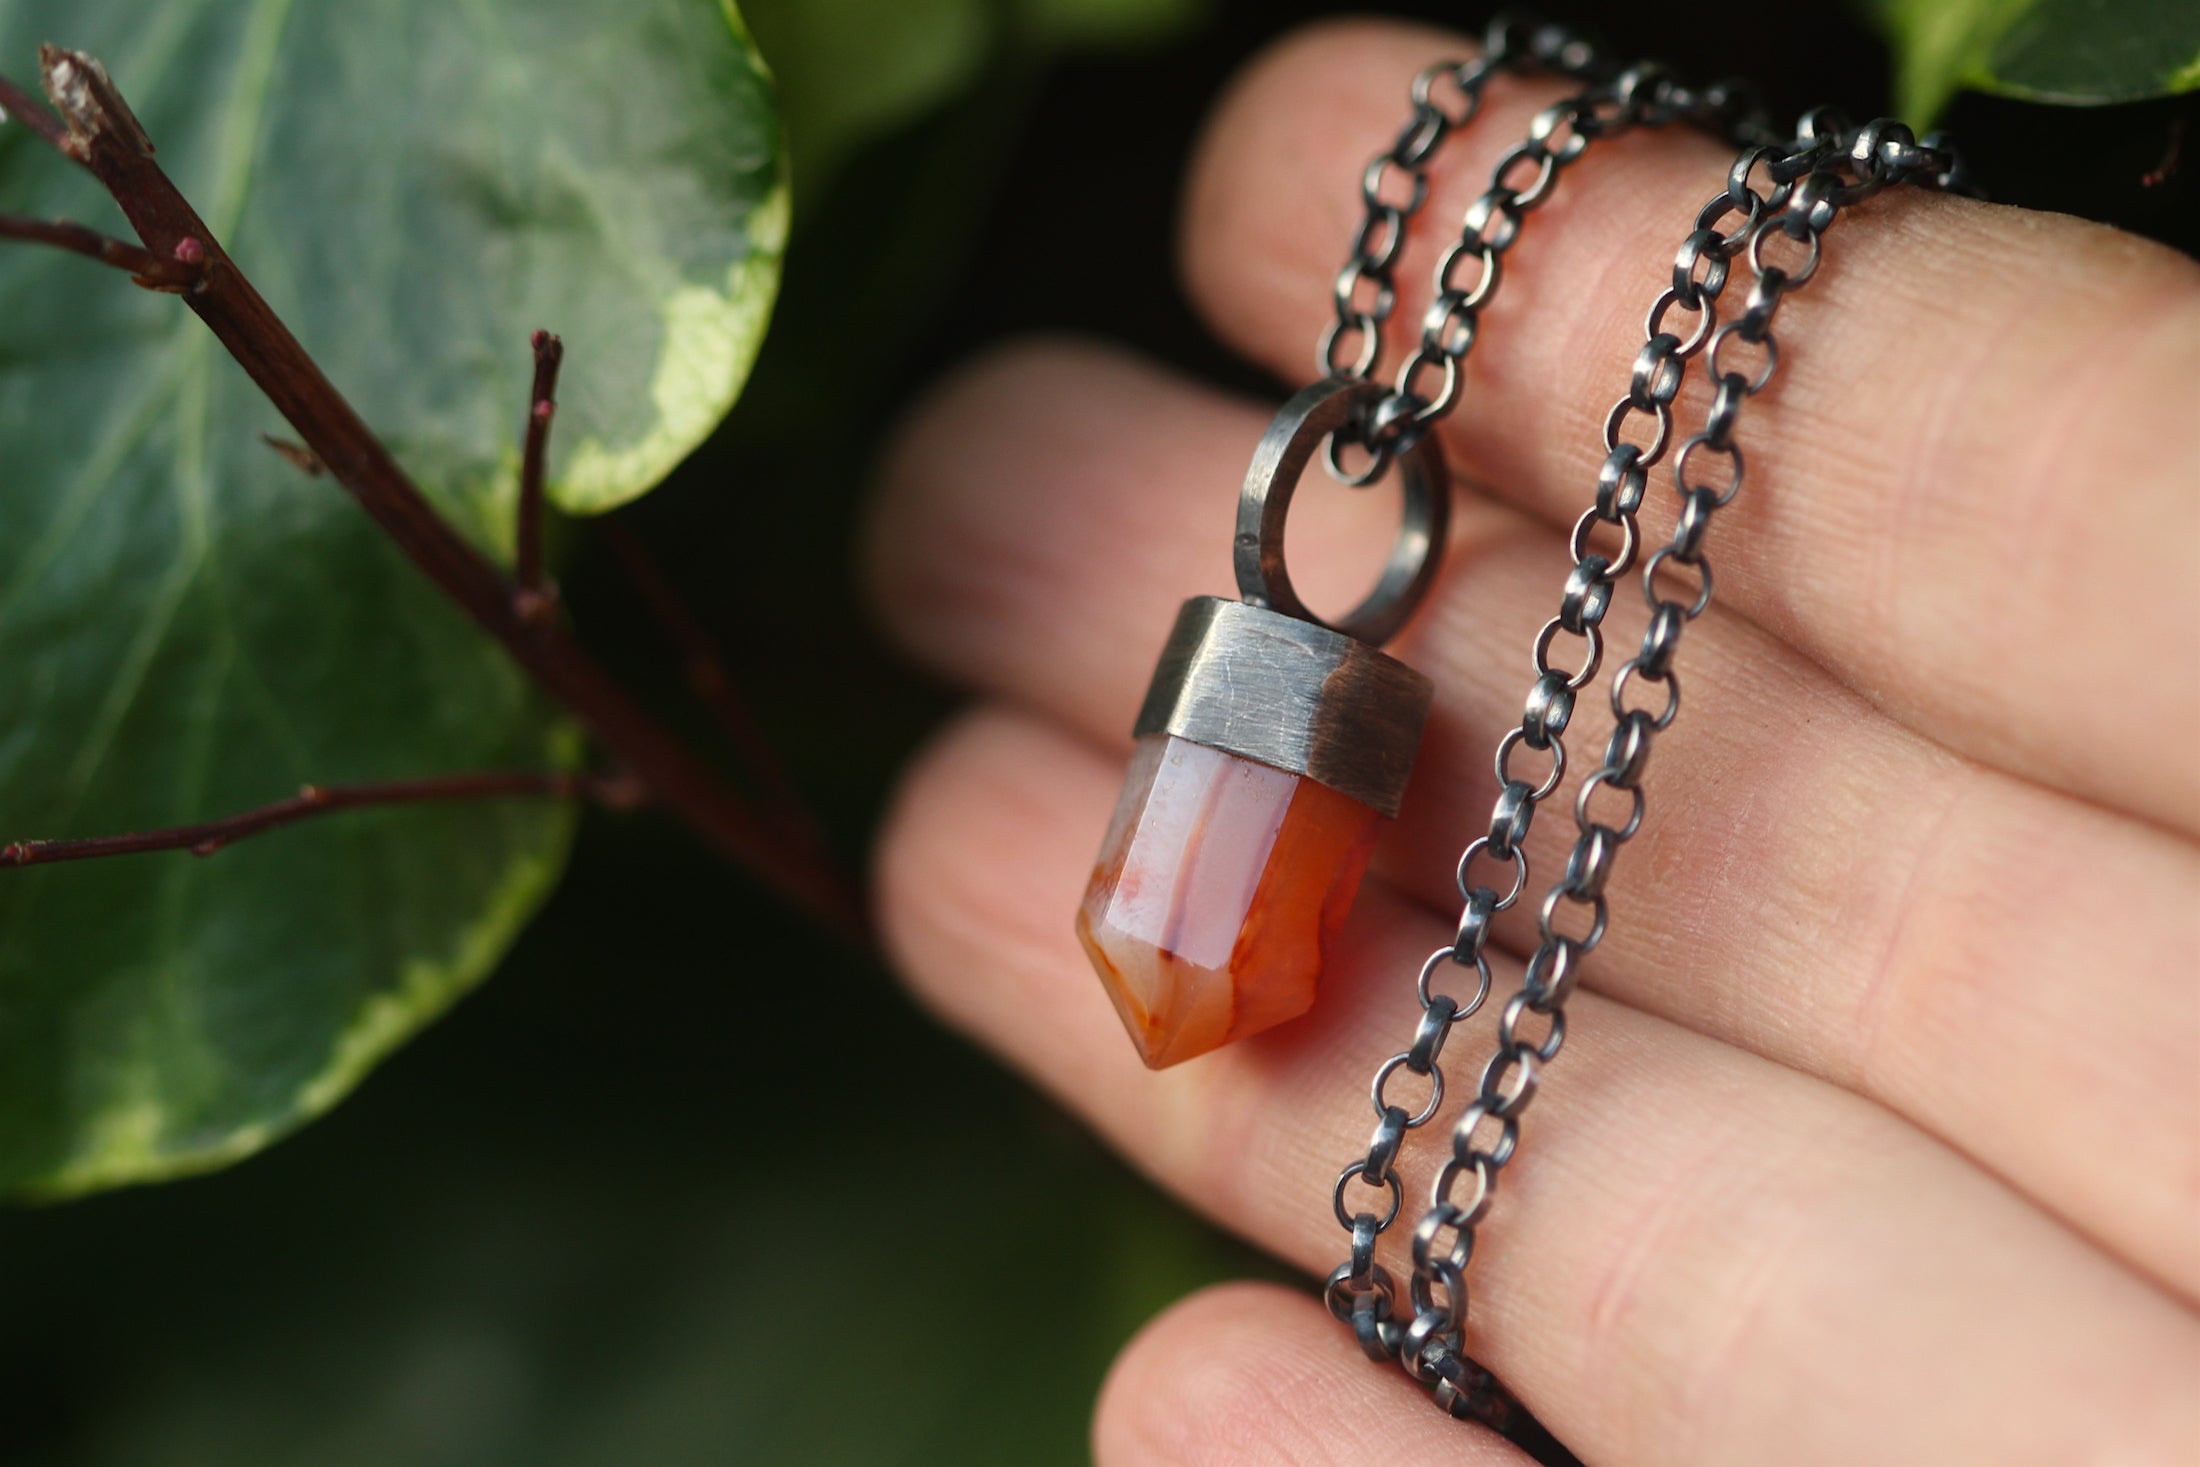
column 1876, row 1133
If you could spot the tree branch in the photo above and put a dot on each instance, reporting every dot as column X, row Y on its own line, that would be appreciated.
column 209, row 836
column 104, row 135
column 181, row 273
column 536, row 600
column 707, row 679
column 17, row 105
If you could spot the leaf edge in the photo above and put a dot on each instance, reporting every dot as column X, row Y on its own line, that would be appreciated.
column 385, row 1021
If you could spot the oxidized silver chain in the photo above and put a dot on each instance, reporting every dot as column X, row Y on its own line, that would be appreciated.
column 1809, row 180
column 1617, row 101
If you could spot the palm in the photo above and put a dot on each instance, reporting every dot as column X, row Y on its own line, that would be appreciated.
column 1875, row 1136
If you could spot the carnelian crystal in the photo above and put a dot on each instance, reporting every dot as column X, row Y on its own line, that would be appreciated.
column 1220, row 888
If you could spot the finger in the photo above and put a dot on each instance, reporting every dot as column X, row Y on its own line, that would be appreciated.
column 1250, row 1375
column 1697, row 1257
column 1978, row 448
column 1812, row 883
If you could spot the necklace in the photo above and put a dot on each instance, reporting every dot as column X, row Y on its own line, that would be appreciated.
column 1272, row 743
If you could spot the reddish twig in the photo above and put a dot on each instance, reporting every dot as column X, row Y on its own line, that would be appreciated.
column 209, row 836
column 2173, row 152
column 104, row 135
column 297, row 455
column 707, row 679
column 536, row 599
column 17, row 105
column 181, row 272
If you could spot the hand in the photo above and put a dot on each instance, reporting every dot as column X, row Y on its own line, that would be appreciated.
column 1876, row 1134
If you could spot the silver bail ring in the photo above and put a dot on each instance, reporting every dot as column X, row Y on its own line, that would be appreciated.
column 1264, row 504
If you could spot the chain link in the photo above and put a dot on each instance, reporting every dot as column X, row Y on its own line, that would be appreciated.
column 1361, row 1292
column 1773, row 193
column 1366, row 288
column 1428, row 382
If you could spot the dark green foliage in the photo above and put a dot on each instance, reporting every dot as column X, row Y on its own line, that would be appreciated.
column 189, row 626
column 2080, row 51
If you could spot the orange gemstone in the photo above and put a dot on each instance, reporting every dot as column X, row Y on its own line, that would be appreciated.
column 1220, row 887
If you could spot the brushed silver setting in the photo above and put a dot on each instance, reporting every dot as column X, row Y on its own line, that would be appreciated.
column 1292, row 695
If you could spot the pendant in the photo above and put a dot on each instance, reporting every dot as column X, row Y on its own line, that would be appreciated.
column 1270, row 748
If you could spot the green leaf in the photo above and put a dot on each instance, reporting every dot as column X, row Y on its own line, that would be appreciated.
column 1059, row 23
column 2069, row 51
column 190, row 627
column 851, row 71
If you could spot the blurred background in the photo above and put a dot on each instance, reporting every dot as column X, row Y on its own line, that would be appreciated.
column 687, row 1182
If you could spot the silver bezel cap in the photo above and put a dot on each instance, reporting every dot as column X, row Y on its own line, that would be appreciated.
column 1290, row 694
